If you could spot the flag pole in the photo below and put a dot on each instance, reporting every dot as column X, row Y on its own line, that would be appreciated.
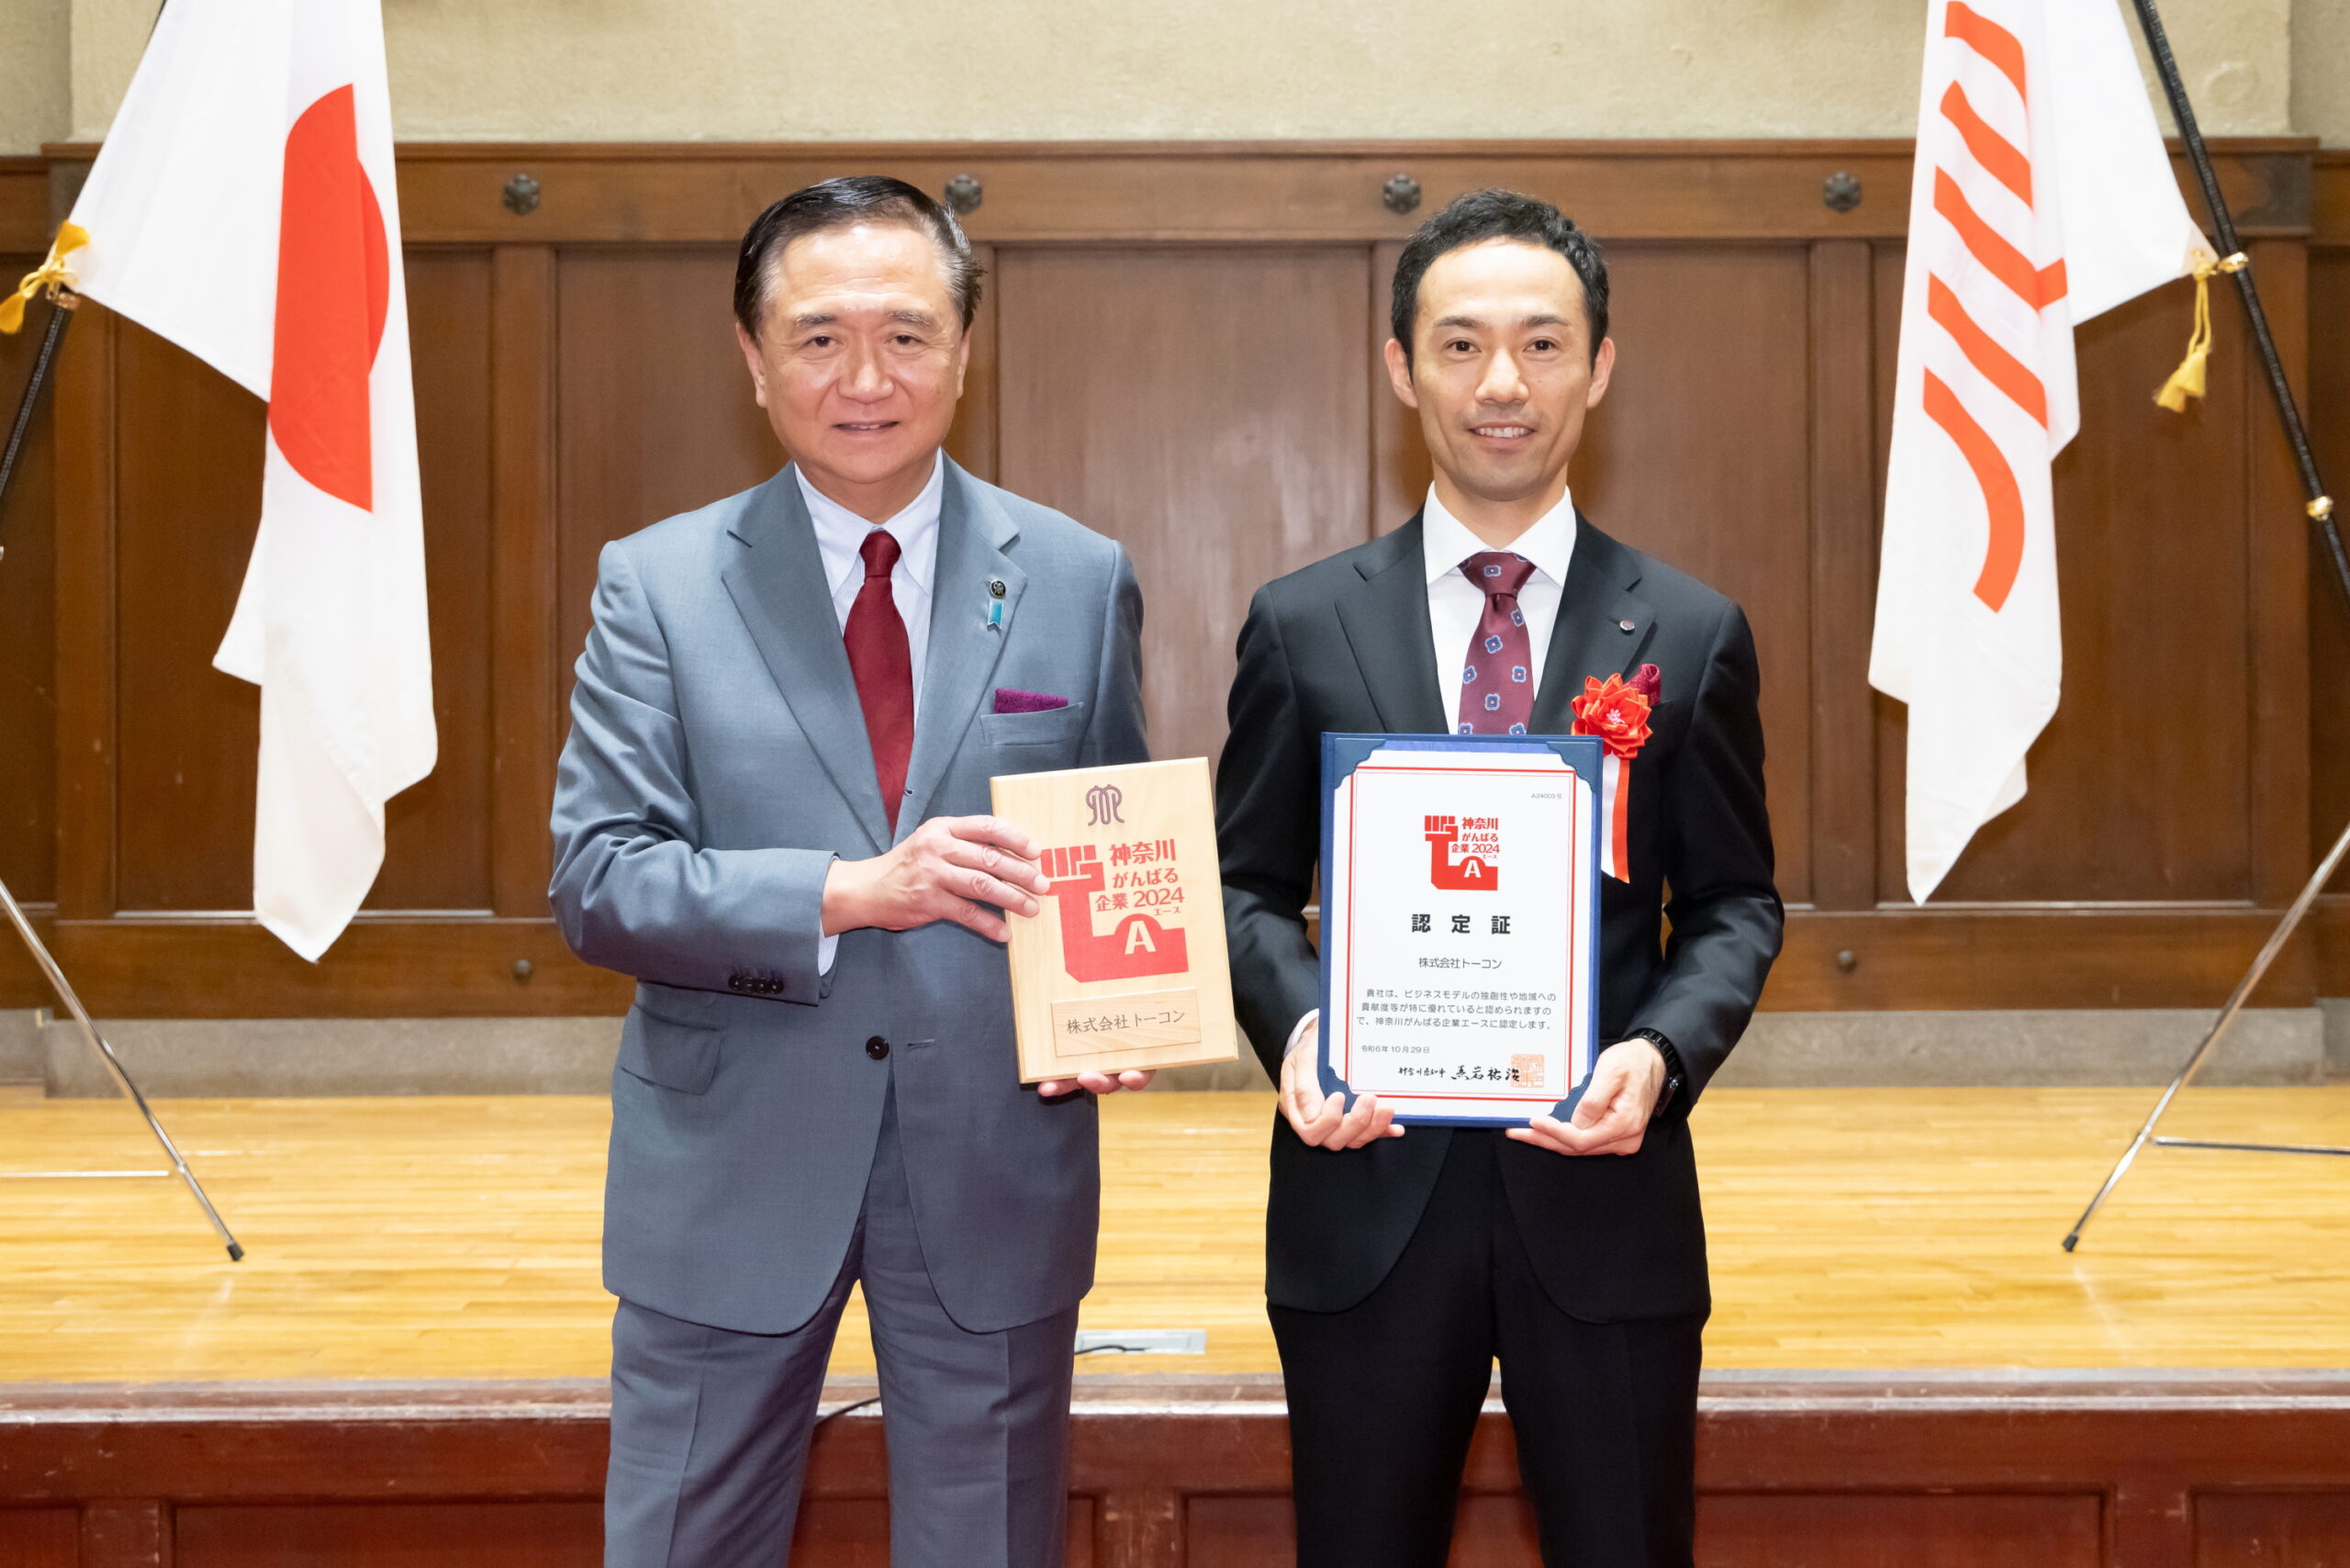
column 2320, row 509
column 61, row 317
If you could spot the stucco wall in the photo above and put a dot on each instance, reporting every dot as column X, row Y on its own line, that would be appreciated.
column 2321, row 71
column 756, row 70
column 36, row 77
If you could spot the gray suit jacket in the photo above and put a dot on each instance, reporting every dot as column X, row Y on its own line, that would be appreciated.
column 717, row 763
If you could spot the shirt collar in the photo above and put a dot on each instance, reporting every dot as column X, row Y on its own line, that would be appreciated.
column 1446, row 541
column 840, row 532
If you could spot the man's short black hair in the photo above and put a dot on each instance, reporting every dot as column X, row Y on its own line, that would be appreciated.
column 837, row 204
column 1498, row 215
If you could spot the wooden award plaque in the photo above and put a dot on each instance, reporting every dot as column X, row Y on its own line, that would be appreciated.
column 1124, row 966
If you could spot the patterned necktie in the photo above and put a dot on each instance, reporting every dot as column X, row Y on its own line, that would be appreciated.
column 884, row 669
column 1497, row 678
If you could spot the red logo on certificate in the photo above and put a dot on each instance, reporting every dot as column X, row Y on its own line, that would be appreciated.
column 1138, row 891
column 1465, row 853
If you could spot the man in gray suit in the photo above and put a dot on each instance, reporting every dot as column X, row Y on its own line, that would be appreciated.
column 786, row 717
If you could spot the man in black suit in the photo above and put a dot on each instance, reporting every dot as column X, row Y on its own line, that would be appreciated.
column 1399, row 1267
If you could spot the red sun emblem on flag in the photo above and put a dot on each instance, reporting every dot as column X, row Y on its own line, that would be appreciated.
column 334, row 287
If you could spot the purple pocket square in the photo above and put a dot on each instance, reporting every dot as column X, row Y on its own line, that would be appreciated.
column 1007, row 700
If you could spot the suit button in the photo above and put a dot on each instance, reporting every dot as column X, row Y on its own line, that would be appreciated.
column 877, row 1047
column 733, row 982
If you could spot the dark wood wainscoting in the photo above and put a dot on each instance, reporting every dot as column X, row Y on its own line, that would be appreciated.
column 1179, row 348
column 2056, row 1472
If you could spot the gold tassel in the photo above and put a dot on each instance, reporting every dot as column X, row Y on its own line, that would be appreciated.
column 52, row 275
column 2188, row 380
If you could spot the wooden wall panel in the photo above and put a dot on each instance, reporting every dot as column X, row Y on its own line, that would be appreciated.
column 436, row 833
column 1737, row 1530
column 1843, row 550
column 188, row 494
column 2327, row 409
column 404, row 1535
column 1861, row 1530
column 27, row 644
column 527, row 725
column 1205, row 407
column 654, row 414
column 39, row 1537
column 2328, row 414
column 189, row 491
column 2271, row 1529
column 1260, row 1533
column 2140, row 787
column 1701, row 455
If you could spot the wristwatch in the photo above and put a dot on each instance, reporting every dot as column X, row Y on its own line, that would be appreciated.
column 1676, row 1078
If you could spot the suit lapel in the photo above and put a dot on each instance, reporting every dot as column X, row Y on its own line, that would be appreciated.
column 964, row 648
column 1589, row 637
column 1386, row 623
column 779, row 588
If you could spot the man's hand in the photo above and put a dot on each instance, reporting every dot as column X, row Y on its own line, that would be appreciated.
column 948, row 868
column 1136, row 1079
column 1323, row 1120
column 1612, row 1117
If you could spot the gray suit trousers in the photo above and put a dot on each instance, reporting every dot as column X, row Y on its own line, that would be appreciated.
column 711, row 1428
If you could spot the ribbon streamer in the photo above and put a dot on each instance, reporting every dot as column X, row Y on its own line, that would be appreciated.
column 1615, row 810
column 52, row 276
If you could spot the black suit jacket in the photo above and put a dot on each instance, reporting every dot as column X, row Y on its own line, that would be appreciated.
column 1344, row 646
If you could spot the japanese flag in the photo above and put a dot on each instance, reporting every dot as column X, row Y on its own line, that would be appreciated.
column 244, row 206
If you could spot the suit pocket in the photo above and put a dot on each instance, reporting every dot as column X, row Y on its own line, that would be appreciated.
column 1054, row 726
column 683, row 1057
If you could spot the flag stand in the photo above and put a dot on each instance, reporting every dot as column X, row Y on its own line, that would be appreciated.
column 61, row 317
column 2321, row 512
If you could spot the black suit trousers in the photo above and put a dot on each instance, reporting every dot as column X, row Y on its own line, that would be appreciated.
column 1384, row 1398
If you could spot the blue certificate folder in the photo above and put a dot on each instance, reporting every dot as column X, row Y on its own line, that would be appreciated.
column 1341, row 755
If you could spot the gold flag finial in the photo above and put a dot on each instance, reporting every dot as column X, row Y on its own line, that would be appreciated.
column 52, row 276
column 2188, row 380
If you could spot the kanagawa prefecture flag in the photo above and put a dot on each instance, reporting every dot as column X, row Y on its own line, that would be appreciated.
column 244, row 206
column 2043, row 195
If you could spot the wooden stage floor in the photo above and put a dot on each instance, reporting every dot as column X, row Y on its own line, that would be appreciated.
column 1871, row 1229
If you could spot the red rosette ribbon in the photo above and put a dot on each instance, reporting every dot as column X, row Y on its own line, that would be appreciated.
column 1616, row 710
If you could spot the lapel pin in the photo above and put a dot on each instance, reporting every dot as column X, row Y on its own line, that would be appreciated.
column 1623, row 625
column 995, row 587
column 995, row 615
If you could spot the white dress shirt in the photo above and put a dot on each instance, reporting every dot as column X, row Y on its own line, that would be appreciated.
column 840, row 535
column 1456, row 605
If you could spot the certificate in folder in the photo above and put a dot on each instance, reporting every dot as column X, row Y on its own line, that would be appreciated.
column 1460, row 924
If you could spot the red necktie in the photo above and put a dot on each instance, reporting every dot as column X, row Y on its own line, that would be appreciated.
column 883, row 668
column 1497, row 678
